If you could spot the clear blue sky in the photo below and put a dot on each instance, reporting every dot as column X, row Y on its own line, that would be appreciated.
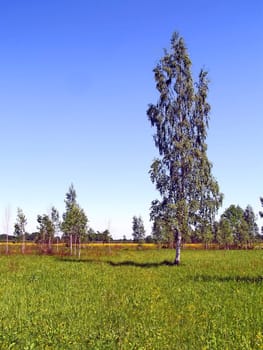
column 75, row 81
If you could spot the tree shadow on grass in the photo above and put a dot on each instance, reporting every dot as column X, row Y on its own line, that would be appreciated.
column 237, row 278
column 139, row 264
column 118, row 263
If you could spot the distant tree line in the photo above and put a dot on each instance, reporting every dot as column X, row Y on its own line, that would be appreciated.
column 236, row 228
column 72, row 229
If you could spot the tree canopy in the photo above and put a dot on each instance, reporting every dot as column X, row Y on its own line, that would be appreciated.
column 138, row 231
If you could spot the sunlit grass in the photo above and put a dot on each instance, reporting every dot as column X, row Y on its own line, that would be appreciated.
column 132, row 300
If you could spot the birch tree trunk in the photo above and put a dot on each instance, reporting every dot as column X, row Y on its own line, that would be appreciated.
column 23, row 243
column 6, row 249
column 79, row 246
column 75, row 245
column 49, row 244
column 70, row 237
column 178, row 248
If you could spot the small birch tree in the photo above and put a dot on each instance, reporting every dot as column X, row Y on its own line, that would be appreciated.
column 138, row 231
column 46, row 231
column 75, row 221
column 19, row 228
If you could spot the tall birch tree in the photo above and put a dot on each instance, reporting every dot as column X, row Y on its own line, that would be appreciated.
column 190, row 195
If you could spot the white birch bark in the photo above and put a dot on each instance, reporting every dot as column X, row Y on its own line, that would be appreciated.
column 70, row 237
column 178, row 248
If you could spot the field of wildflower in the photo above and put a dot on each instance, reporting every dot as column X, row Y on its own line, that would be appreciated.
column 132, row 299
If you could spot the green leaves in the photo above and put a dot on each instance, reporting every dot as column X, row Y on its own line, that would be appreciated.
column 46, row 226
column 75, row 221
column 237, row 226
column 20, row 224
column 138, row 231
column 19, row 228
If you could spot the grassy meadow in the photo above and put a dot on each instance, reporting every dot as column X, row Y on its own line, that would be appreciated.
column 132, row 299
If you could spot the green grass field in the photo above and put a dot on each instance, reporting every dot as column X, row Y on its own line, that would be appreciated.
column 132, row 300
